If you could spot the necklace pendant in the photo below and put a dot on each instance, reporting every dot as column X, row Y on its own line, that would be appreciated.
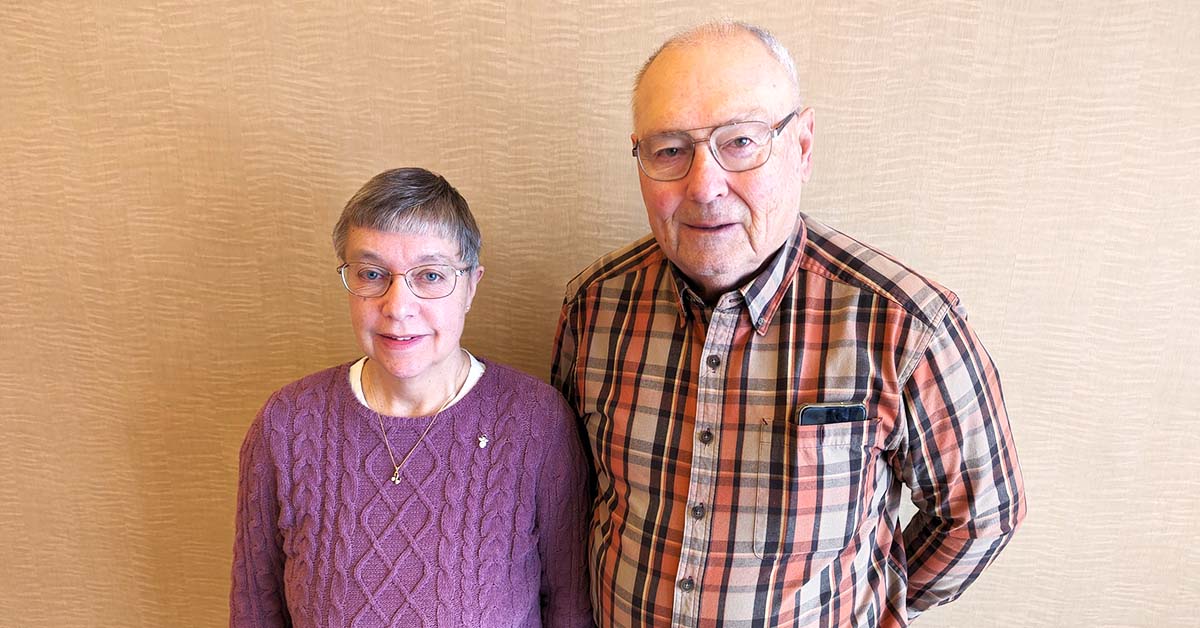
column 396, row 477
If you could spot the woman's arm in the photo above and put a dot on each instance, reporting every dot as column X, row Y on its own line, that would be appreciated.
column 256, row 599
column 563, row 515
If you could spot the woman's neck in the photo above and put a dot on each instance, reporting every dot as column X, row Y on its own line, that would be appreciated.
column 414, row 397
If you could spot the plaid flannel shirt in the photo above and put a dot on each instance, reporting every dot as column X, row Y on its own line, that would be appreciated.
column 715, row 507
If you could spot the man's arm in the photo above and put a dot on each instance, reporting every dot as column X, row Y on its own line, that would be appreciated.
column 562, row 365
column 961, row 465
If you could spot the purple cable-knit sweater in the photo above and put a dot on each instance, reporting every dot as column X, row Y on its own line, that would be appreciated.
column 487, row 528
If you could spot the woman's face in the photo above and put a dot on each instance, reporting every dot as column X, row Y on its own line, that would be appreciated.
column 414, row 340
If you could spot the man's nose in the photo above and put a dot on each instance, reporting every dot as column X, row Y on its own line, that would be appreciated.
column 707, row 180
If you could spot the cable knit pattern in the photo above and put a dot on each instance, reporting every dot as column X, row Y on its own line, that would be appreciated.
column 474, row 536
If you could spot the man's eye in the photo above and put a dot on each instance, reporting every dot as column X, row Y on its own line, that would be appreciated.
column 670, row 154
column 740, row 143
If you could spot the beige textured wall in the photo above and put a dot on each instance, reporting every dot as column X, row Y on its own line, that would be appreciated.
column 169, row 174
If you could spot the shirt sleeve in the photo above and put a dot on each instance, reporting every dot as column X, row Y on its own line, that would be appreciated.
column 562, row 521
column 256, row 598
column 562, row 365
column 961, row 466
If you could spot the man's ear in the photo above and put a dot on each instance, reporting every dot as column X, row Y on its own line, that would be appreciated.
column 804, row 137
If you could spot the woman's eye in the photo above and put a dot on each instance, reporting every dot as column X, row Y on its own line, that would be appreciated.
column 371, row 274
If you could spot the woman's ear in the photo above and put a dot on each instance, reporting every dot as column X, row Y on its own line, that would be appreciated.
column 473, row 277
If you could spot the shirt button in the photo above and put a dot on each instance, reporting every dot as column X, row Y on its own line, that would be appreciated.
column 706, row 436
column 698, row 511
column 686, row 584
column 713, row 361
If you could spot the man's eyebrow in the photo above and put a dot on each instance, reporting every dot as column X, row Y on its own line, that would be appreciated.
column 749, row 115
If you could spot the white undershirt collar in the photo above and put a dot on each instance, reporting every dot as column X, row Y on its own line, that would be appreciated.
column 473, row 375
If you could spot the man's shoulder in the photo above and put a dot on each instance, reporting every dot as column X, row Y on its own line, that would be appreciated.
column 846, row 260
column 631, row 258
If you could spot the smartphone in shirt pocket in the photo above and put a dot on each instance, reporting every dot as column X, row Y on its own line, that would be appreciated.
column 811, row 496
column 831, row 413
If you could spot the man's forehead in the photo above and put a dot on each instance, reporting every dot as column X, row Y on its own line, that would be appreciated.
column 743, row 115
column 709, row 83
column 671, row 110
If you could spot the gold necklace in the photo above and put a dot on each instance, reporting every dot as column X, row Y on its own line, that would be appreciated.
column 397, row 467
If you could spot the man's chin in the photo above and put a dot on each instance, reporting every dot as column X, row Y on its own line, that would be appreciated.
column 713, row 276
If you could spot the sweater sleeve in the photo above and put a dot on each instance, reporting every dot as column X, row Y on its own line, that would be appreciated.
column 563, row 511
column 256, row 598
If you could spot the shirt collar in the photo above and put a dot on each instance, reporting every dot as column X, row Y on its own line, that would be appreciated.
column 763, row 293
column 690, row 304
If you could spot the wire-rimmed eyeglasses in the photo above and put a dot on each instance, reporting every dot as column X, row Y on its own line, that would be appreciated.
column 429, row 281
column 737, row 147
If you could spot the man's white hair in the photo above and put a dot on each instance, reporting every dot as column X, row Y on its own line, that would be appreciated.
column 722, row 29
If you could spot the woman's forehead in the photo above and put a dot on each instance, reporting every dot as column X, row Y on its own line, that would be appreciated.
column 400, row 247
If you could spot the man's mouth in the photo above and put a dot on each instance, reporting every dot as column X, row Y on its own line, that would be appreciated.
column 710, row 227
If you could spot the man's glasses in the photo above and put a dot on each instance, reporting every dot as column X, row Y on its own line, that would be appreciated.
column 432, row 281
column 737, row 147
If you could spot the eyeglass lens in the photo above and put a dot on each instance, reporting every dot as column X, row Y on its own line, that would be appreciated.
column 433, row 281
column 737, row 147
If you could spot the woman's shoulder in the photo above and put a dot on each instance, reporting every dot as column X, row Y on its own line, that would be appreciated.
column 504, row 377
column 526, row 400
column 299, row 407
column 314, row 389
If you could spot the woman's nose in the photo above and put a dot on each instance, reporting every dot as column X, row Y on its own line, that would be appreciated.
column 399, row 301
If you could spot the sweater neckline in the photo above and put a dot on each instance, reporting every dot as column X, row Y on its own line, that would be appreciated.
column 364, row 412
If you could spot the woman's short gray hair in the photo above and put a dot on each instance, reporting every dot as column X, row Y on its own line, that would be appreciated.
column 411, row 200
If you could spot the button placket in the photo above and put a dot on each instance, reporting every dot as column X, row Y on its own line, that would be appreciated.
column 697, row 526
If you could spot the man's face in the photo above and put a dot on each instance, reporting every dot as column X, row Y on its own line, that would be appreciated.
column 720, row 227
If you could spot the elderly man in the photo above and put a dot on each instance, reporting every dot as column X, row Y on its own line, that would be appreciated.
column 757, row 388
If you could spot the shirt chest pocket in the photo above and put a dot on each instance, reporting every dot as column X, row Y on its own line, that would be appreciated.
column 812, row 487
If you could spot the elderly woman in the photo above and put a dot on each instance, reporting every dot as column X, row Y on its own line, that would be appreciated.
column 419, row 485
